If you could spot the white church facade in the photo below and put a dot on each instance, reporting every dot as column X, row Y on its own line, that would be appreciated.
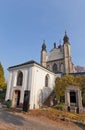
column 31, row 83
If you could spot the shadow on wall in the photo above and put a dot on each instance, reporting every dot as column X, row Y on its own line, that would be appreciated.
column 43, row 95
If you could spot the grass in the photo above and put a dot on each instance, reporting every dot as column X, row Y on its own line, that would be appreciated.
column 53, row 114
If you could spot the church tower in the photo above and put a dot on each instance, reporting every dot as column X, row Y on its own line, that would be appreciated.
column 43, row 54
column 59, row 58
column 68, row 66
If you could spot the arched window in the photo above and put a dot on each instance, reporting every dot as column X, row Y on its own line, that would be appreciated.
column 55, row 68
column 47, row 80
column 19, row 78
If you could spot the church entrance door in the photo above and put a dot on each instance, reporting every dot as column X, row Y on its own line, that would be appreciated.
column 16, row 98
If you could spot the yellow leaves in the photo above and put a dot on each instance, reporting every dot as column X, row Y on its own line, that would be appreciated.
column 2, row 78
column 62, row 83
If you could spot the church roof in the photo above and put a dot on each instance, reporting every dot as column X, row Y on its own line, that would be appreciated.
column 27, row 63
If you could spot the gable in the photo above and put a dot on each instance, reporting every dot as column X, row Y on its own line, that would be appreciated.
column 55, row 54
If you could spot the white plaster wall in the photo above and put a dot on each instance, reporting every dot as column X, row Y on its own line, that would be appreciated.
column 8, row 86
column 38, row 84
column 12, row 83
column 33, row 80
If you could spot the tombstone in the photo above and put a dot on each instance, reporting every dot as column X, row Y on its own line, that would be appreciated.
column 26, row 100
column 73, row 99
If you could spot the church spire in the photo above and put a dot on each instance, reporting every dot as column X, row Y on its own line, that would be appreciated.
column 54, row 45
column 43, row 46
column 66, row 38
column 43, row 54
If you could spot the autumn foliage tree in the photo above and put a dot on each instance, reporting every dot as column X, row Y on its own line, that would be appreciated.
column 62, row 83
column 2, row 78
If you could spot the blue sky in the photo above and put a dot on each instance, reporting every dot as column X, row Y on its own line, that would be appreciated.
column 24, row 24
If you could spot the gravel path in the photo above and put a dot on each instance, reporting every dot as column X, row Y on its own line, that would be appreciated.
column 12, row 121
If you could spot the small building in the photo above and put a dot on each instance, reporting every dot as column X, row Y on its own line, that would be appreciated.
column 31, row 83
column 29, row 80
column 73, row 99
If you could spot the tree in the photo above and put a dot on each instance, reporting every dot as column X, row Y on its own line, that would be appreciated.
column 2, row 78
column 62, row 83
column 59, row 88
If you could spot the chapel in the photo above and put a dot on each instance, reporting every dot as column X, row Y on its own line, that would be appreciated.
column 30, row 83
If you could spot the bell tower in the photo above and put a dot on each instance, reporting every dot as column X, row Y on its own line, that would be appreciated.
column 68, row 66
column 43, row 54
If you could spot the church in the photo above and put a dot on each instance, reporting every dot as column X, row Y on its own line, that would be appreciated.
column 30, row 83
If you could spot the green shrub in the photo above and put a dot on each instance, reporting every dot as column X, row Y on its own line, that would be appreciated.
column 9, row 103
column 59, row 106
column 2, row 94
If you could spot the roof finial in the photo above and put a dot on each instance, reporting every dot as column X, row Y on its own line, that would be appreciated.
column 54, row 44
column 44, row 46
column 65, row 32
column 66, row 38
